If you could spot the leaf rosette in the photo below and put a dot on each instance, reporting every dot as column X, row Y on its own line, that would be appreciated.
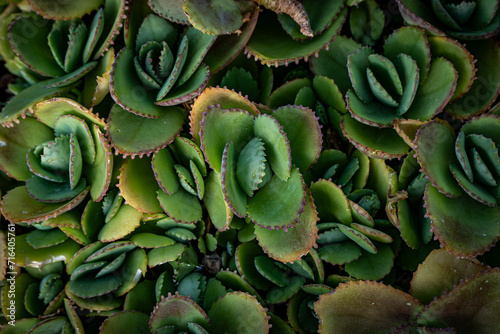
column 58, row 53
column 60, row 169
column 464, row 183
column 473, row 19
column 161, row 67
column 254, row 155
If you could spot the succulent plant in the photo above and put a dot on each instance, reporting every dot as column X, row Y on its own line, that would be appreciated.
column 69, row 158
column 366, row 21
column 462, row 20
column 63, row 51
column 465, row 183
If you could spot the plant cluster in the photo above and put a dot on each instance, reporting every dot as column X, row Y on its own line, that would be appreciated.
column 250, row 166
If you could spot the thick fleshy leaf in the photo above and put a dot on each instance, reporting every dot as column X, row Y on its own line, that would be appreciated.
column 51, row 192
column 177, row 311
column 32, row 48
column 272, row 45
column 279, row 203
column 286, row 93
column 220, row 17
column 221, row 96
column 180, row 61
column 434, row 145
column 340, row 253
column 244, row 259
column 462, row 60
column 29, row 256
column 303, row 133
column 439, row 273
column 331, row 202
column 125, row 221
column 279, row 295
column 226, row 312
column 438, row 88
column 250, row 167
column 102, row 303
column 375, row 142
column 227, row 47
column 127, row 93
column 463, row 225
column 16, row 145
column 69, row 124
column 99, row 173
column 276, row 143
column 138, row 185
column 218, row 210
column 375, row 307
column 413, row 42
column 485, row 88
column 373, row 113
column 18, row 206
column 62, row 10
column 358, row 63
column 135, row 135
column 87, row 287
column 296, row 242
column 180, row 206
column 161, row 255
column 332, row 62
column 218, row 127
column 234, row 195
column 163, row 168
column 372, row 266
column 472, row 306
column 125, row 321
column 41, row 239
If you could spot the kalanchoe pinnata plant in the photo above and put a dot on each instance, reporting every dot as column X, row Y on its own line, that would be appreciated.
column 366, row 21
column 463, row 188
column 470, row 20
column 59, row 52
column 70, row 158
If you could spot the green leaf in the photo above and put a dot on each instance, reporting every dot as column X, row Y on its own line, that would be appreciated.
column 220, row 126
column 303, row 133
column 135, row 135
column 219, row 17
column 276, row 143
column 331, row 202
column 471, row 306
column 377, row 308
column 180, row 206
column 434, row 145
column 250, row 167
column 42, row 239
column 163, row 168
column 51, row 192
column 218, row 210
column 372, row 266
column 126, row 321
column 272, row 45
column 435, row 92
column 411, row 41
column 375, row 142
column 340, row 253
column 463, row 225
column 32, row 48
column 279, row 203
column 16, row 146
column 439, row 273
column 138, row 185
column 124, row 222
column 244, row 257
column 226, row 311
column 291, row 245
column 332, row 63
column 177, row 311
column 158, row 256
